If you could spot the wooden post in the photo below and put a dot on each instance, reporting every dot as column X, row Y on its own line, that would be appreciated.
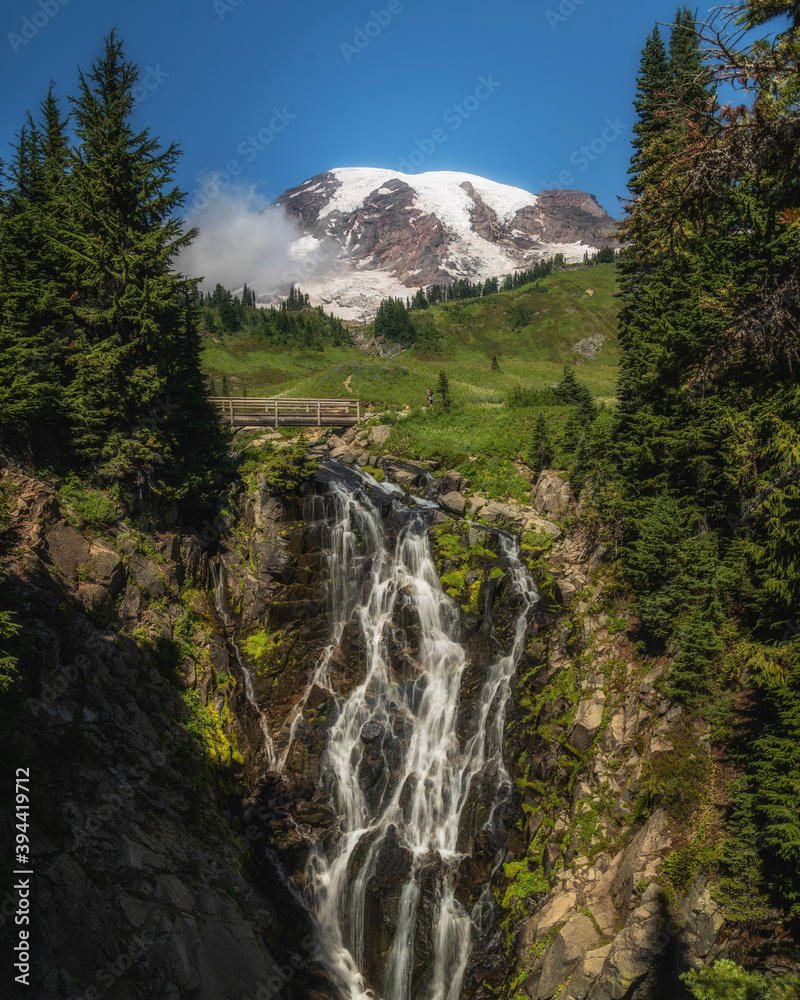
column 276, row 412
column 319, row 414
column 358, row 411
column 230, row 409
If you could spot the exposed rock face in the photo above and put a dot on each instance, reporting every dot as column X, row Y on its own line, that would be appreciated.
column 409, row 231
column 139, row 891
column 553, row 497
column 140, row 863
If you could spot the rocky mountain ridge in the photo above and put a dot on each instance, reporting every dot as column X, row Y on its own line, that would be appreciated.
column 372, row 233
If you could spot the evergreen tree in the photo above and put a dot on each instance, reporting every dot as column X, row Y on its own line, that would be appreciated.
column 420, row 300
column 393, row 322
column 35, row 285
column 709, row 397
column 651, row 84
column 495, row 363
column 443, row 389
column 540, row 454
column 98, row 336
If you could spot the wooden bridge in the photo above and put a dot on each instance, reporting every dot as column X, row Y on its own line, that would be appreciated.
column 247, row 411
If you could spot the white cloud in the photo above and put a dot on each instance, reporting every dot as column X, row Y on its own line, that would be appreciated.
column 243, row 238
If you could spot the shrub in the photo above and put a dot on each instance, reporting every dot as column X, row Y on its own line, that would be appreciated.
column 92, row 507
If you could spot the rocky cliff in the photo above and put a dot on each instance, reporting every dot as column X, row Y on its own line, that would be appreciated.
column 174, row 822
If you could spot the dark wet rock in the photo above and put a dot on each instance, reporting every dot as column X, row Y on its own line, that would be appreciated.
column 372, row 732
column 389, row 870
column 195, row 560
column 373, row 775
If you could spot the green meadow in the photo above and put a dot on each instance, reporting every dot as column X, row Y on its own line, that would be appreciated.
column 531, row 331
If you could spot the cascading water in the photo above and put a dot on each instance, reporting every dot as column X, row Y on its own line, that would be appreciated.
column 398, row 773
column 219, row 604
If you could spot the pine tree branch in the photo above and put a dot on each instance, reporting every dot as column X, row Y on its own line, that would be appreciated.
column 784, row 479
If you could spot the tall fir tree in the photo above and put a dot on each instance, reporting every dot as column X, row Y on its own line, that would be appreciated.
column 99, row 343
column 135, row 354
column 652, row 84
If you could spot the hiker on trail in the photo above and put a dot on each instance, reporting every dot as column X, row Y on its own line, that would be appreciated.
column 430, row 399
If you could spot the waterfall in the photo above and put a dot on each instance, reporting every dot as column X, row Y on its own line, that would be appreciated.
column 398, row 773
column 219, row 604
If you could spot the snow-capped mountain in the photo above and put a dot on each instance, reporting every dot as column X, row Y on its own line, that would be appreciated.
column 371, row 233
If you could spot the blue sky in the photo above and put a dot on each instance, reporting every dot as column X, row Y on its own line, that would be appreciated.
column 535, row 94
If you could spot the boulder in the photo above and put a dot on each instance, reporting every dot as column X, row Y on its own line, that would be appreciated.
column 553, row 497
column 97, row 601
column 346, row 455
column 108, row 567
column 587, row 973
column 702, row 918
column 642, row 854
column 380, row 434
column 577, row 937
column 145, row 573
column 565, row 591
column 631, row 967
column 406, row 473
column 556, row 911
column 588, row 720
column 552, row 969
column 133, row 603
column 540, row 525
column 67, row 549
column 452, row 481
column 454, row 503
column 476, row 505
column 614, row 735
column 518, row 519
column 580, row 936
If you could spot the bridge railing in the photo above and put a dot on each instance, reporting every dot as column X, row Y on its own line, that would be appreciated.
column 280, row 410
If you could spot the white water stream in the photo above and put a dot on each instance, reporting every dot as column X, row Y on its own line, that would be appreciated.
column 219, row 604
column 418, row 806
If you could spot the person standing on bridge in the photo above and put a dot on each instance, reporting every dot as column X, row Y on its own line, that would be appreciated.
column 430, row 399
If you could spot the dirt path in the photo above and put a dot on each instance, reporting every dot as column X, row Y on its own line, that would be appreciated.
column 347, row 384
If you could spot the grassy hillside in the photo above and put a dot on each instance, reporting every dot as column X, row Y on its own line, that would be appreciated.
column 531, row 330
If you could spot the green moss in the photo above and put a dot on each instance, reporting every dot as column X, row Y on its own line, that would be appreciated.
column 207, row 725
